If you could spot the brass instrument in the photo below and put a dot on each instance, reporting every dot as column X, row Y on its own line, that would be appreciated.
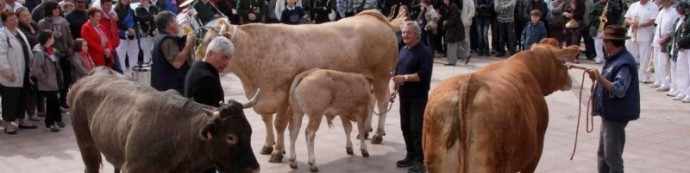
column 650, row 62
column 602, row 18
column 634, row 36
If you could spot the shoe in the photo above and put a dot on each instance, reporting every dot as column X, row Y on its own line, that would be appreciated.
column 500, row 54
column 468, row 59
column 53, row 128
column 672, row 93
column 598, row 61
column 10, row 132
column 686, row 99
column 448, row 64
column 680, row 96
column 417, row 168
column 60, row 124
column 655, row 85
column 34, row 118
column 663, row 89
column 645, row 81
column 407, row 162
column 28, row 127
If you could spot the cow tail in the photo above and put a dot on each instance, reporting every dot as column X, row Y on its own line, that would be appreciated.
column 460, row 124
column 294, row 103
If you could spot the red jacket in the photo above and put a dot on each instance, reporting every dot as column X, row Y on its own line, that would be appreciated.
column 109, row 28
column 93, row 40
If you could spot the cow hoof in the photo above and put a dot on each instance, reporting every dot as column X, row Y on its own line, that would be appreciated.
column 276, row 158
column 266, row 150
column 376, row 139
column 349, row 151
column 365, row 153
column 314, row 169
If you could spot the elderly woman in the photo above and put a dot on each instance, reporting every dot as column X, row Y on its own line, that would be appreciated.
column 34, row 102
column 14, row 73
column 48, row 78
column 64, row 42
column 99, row 45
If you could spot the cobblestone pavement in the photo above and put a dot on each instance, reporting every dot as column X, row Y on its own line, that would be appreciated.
column 658, row 142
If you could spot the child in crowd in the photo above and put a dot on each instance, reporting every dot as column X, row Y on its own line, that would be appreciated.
column 292, row 14
column 534, row 31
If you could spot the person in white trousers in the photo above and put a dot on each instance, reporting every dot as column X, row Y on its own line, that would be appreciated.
column 682, row 44
column 640, row 16
column 663, row 32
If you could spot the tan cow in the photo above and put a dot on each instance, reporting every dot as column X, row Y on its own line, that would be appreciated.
column 319, row 92
column 268, row 56
column 465, row 132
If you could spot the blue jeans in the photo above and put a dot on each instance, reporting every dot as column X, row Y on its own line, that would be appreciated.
column 482, row 28
column 611, row 143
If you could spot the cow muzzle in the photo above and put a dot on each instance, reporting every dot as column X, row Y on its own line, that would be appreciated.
column 252, row 101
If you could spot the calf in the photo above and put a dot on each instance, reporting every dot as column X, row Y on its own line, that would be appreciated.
column 319, row 92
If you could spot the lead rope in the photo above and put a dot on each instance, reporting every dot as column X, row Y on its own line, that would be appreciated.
column 589, row 118
column 390, row 104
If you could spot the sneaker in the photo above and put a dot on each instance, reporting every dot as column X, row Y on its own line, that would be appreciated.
column 407, row 162
column 686, row 99
column 417, row 168
column 680, row 96
column 655, row 85
column 60, row 124
column 663, row 89
column 53, row 128
column 448, row 64
column 672, row 93
column 598, row 61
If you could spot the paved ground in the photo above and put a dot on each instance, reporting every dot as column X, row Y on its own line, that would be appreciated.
column 658, row 142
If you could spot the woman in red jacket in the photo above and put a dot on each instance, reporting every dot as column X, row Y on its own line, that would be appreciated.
column 100, row 47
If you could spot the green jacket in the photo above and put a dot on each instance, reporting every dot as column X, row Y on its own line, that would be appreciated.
column 613, row 15
column 205, row 11
column 145, row 18
column 258, row 7
column 681, row 36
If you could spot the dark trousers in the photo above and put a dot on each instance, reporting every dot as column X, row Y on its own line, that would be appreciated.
column 494, row 34
column 272, row 20
column 474, row 38
column 31, row 101
column 590, row 52
column 506, row 33
column 611, row 143
column 116, row 64
column 66, row 68
column 482, row 28
column 411, row 122
column 13, row 103
column 53, row 114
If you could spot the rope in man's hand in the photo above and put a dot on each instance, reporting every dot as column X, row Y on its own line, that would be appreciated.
column 590, row 103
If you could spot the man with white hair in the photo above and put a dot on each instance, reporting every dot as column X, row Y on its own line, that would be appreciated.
column 202, row 83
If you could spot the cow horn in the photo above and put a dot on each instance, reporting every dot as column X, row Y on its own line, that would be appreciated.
column 253, row 101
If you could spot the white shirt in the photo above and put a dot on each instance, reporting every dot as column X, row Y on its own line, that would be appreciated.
column 664, row 24
column 14, row 7
column 644, row 13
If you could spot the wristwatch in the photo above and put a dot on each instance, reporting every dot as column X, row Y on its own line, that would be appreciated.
column 406, row 77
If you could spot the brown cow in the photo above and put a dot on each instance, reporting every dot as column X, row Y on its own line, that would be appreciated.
column 465, row 132
column 139, row 129
column 319, row 92
column 269, row 56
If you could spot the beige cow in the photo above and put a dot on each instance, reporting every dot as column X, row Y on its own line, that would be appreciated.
column 319, row 92
column 269, row 56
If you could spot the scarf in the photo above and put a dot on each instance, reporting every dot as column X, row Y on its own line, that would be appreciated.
column 87, row 60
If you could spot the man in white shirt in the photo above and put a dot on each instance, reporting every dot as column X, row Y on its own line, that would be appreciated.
column 641, row 16
column 663, row 33
column 12, row 5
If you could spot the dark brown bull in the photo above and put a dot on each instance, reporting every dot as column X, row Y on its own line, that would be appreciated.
column 138, row 129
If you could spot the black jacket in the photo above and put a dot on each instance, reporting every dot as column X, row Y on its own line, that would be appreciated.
column 202, row 84
column 76, row 20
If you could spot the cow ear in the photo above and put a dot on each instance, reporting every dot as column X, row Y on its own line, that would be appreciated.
column 567, row 54
column 208, row 131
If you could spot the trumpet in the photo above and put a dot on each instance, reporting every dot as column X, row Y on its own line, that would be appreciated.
column 602, row 18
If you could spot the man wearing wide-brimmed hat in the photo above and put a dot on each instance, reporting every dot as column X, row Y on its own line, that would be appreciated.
column 617, row 98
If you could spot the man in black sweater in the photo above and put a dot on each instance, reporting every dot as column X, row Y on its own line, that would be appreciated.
column 202, row 83
column 412, row 80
